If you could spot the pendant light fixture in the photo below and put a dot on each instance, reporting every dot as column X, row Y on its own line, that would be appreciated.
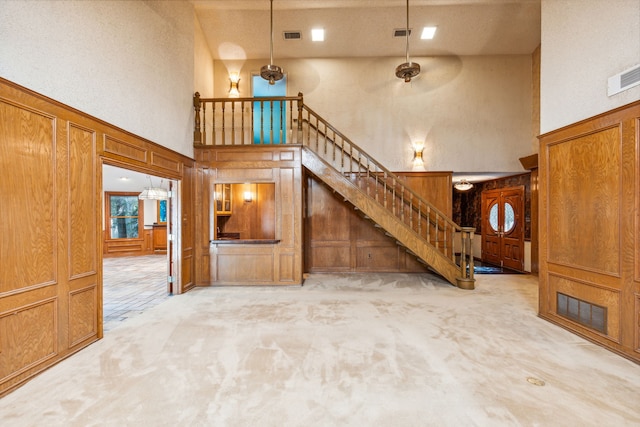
column 409, row 69
column 153, row 193
column 271, row 72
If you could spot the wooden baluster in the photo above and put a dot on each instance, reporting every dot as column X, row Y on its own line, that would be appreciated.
column 385, row 189
column 197, row 132
column 300, row 105
column 242, row 136
column 252, row 127
column 233, row 123
column 204, row 123
column 261, row 122
column 282, row 133
column 271, row 122
column 428, row 223
column 224, row 138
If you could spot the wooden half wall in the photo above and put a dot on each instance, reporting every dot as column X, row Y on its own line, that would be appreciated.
column 590, row 229
column 50, row 233
column 250, row 261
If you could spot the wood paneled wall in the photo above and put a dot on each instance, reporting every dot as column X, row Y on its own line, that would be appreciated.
column 338, row 238
column 590, row 225
column 248, row 264
column 51, row 234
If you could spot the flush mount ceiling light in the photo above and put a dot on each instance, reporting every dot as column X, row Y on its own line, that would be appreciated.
column 409, row 69
column 428, row 33
column 463, row 185
column 317, row 34
column 271, row 72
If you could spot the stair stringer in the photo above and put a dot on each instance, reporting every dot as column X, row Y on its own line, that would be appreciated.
column 381, row 216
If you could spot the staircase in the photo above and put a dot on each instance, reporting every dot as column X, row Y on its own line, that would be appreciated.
column 381, row 196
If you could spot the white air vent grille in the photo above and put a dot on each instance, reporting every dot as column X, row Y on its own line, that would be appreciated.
column 292, row 35
column 623, row 81
column 401, row 32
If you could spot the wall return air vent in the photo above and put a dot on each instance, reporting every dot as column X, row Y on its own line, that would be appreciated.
column 292, row 35
column 624, row 80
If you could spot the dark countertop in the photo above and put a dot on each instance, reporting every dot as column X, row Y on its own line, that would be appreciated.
column 228, row 241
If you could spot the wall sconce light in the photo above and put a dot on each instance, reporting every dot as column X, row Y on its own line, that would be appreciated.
column 248, row 196
column 417, row 158
column 234, row 85
column 463, row 185
column 418, row 161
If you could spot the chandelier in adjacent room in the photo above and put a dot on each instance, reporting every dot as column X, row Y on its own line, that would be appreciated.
column 271, row 72
column 407, row 70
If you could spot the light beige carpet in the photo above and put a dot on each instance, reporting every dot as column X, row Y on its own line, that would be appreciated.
column 343, row 350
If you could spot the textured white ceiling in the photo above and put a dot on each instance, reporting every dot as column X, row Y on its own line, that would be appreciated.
column 239, row 29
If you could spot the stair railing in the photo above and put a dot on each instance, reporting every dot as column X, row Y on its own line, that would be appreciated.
column 276, row 120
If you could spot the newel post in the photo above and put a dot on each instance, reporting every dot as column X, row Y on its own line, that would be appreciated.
column 197, row 134
column 466, row 280
column 300, row 105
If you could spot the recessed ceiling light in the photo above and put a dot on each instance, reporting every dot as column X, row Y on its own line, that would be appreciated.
column 317, row 34
column 428, row 33
column 124, row 178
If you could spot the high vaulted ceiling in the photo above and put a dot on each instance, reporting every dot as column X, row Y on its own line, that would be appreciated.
column 239, row 29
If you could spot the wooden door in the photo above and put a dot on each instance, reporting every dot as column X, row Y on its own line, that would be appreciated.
column 503, row 227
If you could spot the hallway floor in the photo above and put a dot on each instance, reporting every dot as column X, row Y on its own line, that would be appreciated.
column 342, row 350
column 131, row 286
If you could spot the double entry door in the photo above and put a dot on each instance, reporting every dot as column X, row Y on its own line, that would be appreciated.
column 503, row 227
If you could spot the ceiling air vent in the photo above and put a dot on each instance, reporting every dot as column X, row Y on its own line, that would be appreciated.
column 292, row 35
column 623, row 81
column 401, row 32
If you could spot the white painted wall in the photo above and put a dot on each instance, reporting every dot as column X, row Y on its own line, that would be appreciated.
column 203, row 63
column 473, row 113
column 129, row 63
column 584, row 42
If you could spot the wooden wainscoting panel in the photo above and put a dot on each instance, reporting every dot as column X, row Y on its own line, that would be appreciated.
column 83, row 306
column 245, row 155
column 28, row 227
column 244, row 175
column 636, row 325
column 591, row 293
column 187, row 228
column 584, row 203
column 204, row 225
column 28, row 337
column 372, row 257
column 329, row 256
column 287, row 218
column 82, row 227
column 124, row 149
column 286, row 270
column 245, row 268
column 169, row 163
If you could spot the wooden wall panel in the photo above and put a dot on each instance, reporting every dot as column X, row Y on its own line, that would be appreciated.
column 83, row 306
column 338, row 239
column 589, row 181
column 82, row 203
column 28, row 336
column 28, row 227
column 248, row 268
column 584, row 201
column 187, row 228
column 50, row 251
column 124, row 149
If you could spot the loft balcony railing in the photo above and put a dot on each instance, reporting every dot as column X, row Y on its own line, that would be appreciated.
column 278, row 120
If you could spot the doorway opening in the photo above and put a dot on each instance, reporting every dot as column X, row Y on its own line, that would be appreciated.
column 135, row 245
